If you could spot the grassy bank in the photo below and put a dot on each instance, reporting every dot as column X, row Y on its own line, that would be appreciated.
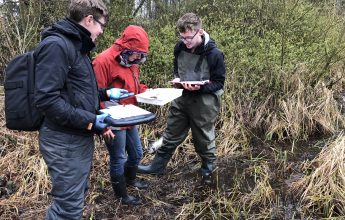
column 257, row 175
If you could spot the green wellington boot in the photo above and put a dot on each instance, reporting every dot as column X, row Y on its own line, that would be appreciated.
column 156, row 167
column 207, row 168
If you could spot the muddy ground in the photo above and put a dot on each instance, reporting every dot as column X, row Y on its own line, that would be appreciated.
column 179, row 193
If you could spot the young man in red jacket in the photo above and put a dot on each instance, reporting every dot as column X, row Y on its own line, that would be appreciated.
column 117, row 67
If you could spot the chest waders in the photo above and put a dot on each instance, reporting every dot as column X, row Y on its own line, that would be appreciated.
column 193, row 111
column 192, row 67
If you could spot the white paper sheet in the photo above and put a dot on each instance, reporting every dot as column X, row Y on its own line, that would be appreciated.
column 159, row 96
column 191, row 82
column 124, row 111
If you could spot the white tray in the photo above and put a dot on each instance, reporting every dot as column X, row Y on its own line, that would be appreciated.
column 159, row 96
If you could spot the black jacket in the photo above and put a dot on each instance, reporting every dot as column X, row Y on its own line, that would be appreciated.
column 215, row 60
column 62, row 72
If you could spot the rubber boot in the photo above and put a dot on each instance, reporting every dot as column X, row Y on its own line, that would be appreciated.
column 131, row 180
column 207, row 179
column 207, row 168
column 119, row 187
column 157, row 166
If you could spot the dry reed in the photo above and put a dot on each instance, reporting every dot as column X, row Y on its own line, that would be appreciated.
column 322, row 188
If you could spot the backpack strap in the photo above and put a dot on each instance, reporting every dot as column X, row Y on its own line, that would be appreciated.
column 71, row 52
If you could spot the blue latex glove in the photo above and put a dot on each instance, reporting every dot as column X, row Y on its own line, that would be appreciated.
column 99, row 123
column 117, row 94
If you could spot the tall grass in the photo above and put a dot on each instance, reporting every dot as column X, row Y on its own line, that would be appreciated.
column 322, row 188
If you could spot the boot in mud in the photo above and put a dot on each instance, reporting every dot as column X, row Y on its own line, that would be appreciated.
column 119, row 187
column 207, row 180
column 207, row 168
column 132, row 180
column 157, row 166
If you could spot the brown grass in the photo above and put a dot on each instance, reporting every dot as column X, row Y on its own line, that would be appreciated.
column 322, row 188
column 251, row 171
column 303, row 111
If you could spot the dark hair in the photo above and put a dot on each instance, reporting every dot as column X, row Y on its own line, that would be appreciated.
column 189, row 21
column 78, row 9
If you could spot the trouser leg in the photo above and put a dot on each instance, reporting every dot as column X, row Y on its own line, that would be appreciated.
column 204, row 141
column 118, row 158
column 117, row 153
column 174, row 134
column 205, row 147
column 135, row 153
column 68, row 158
column 177, row 129
column 133, row 147
column 205, row 111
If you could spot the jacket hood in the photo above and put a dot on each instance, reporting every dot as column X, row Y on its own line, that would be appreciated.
column 207, row 45
column 79, row 35
column 133, row 38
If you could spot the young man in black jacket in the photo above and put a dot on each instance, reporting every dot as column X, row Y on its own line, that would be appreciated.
column 66, row 93
column 196, row 58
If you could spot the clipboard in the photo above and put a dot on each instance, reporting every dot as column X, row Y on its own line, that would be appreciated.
column 127, row 115
column 129, row 121
column 204, row 82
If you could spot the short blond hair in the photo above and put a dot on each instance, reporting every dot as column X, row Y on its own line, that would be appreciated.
column 189, row 21
column 78, row 9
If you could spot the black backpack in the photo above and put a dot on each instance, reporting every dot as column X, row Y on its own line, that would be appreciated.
column 20, row 111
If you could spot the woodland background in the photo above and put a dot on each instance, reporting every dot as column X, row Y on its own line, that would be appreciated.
column 281, row 145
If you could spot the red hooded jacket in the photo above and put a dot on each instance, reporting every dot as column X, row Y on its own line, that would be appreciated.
column 110, row 73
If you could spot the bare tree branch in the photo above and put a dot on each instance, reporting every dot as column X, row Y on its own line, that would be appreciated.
column 140, row 5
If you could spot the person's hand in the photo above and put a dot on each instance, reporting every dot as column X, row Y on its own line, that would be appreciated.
column 108, row 136
column 176, row 80
column 190, row 87
column 117, row 94
column 99, row 124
